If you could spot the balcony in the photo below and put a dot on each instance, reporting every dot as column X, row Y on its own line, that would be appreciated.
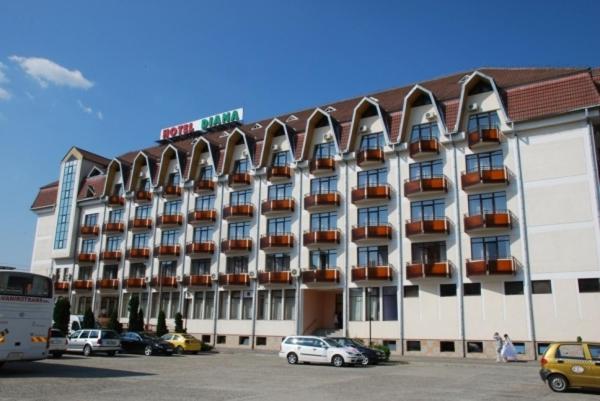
column 199, row 248
column 322, row 201
column 134, row 282
column 483, row 138
column 116, row 200
column 164, row 281
column 498, row 220
column 278, row 206
column 423, row 148
column 417, row 270
column 172, row 191
column 167, row 250
column 372, row 233
column 108, row 284
column 111, row 255
column 425, row 186
column 204, row 186
column 86, row 258
column 316, row 238
column 320, row 166
column 234, row 279
column 369, row 194
column 198, row 280
column 418, row 228
column 61, row 286
column 492, row 267
column 313, row 276
column 484, row 178
column 279, row 173
column 236, row 245
column 239, row 179
column 138, row 253
column 369, row 157
column 142, row 196
column 83, row 285
column 141, row 224
column 276, row 242
column 89, row 231
column 372, row 273
column 114, row 227
column 244, row 211
column 202, row 216
column 170, row 220
column 282, row 277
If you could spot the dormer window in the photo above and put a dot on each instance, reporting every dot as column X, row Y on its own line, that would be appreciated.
column 206, row 173
column 118, row 190
column 425, row 131
column 174, row 179
column 324, row 150
column 372, row 141
column 241, row 166
column 482, row 121
column 144, row 185
column 481, row 87
column 281, row 159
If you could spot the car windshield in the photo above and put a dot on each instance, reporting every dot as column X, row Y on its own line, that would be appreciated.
column 147, row 336
column 331, row 342
column 188, row 337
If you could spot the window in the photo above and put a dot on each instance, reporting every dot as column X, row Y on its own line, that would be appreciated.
column 289, row 305
column 323, row 185
column 198, row 302
column 174, row 179
column 323, row 221
column 485, row 161
column 324, row 150
column 241, row 166
column 542, row 347
column 281, row 159
column 137, row 270
column 140, row 240
column 519, row 347
column 205, row 174
column 570, row 351
column 209, row 304
column 239, row 230
column 589, row 285
column 425, row 131
column 356, row 304
column 481, row 121
column 277, row 262
column 472, row 289
column 167, row 268
column 372, row 303
column 240, row 197
column 412, row 345
column 490, row 248
column 446, row 346
column 64, row 205
column 143, row 302
column 247, row 305
column 279, row 191
column 279, row 225
column 172, row 207
column 390, row 303
column 541, row 287
column 391, row 344
column 143, row 212
column 203, row 234
column 223, row 304
column 200, row 267
column 372, row 141
column 373, row 256
column 169, row 237
column 237, row 264
column 323, row 259
column 244, row 340
column 118, row 190
column 262, row 305
column 108, row 305
column 82, row 304
column 261, row 341
column 90, row 219
column 115, row 216
column 110, row 272
column 206, row 202
column 428, row 210
column 144, row 185
column 487, row 203
column 428, row 252
column 447, row 290
column 88, row 245
column 474, row 347
column 372, row 216
column 430, row 169
column 594, row 351
column 276, row 305
column 113, row 243
column 22, row 284
column 513, row 288
column 221, row 339
column 411, row 291
column 372, row 178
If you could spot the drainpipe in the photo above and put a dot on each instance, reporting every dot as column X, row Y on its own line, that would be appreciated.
column 346, row 297
column 185, row 207
column 299, row 315
column 97, row 263
column 155, row 203
column 216, row 282
column 256, row 253
column 129, row 201
column 400, row 271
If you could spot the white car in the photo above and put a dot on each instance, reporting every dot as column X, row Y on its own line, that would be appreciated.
column 89, row 341
column 318, row 350
column 57, row 344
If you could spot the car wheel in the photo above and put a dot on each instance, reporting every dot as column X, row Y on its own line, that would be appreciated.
column 195, row 352
column 179, row 350
column 558, row 383
column 148, row 350
column 57, row 354
column 337, row 361
column 112, row 353
column 365, row 361
column 87, row 350
column 292, row 358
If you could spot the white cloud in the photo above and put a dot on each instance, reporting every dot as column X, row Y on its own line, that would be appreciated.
column 46, row 72
column 3, row 78
column 89, row 110
column 100, row 115
column 4, row 94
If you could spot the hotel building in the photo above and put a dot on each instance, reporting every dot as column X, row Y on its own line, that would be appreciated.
column 426, row 217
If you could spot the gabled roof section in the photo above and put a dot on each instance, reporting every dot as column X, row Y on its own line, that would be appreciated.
column 410, row 97
column 232, row 141
column 140, row 160
column 87, row 155
column 46, row 196
column 362, row 106
column 311, row 123
column 274, row 126
column 91, row 188
column 202, row 145
column 170, row 152
column 95, row 171
column 115, row 165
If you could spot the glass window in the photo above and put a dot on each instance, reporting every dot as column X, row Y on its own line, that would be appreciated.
column 323, row 221
column 203, row 234
column 277, row 262
column 137, row 270
column 85, row 272
column 174, row 179
column 240, row 197
column 276, row 305
column 485, row 161
column 323, row 185
column 144, row 185
column 19, row 283
column 262, row 305
column 223, row 304
column 324, row 150
column 541, row 287
column 239, row 230
column 434, row 209
column 279, row 191
column 172, row 207
column 475, row 347
column 356, row 304
column 205, row 202
column 281, row 159
column 372, row 178
column 209, row 305
column 490, row 248
column 481, row 121
column 323, row 259
column 109, row 272
column 429, row 169
column 167, row 268
column 594, row 351
column 390, row 303
column 494, row 202
column 289, row 305
column 472, row 289
column 372, row 216
column 428, row 252
column 447, row 290
column 88, row 245
column 425, row 131
column 64, row 204
column 279, row 225
column 198, row 303
column 143, row 212
column 90, row 219
column 200, row 267
column 570, row 351
column 113, row 243
column 140, row 240
column 373, row 256
column 237, row 264
column 372, row 303
column 372, row 141
column 513, row 288
column 241, row 166
column 115, row 216
column 411, row 291
column 169, row 237
column 235, row 304
column 589, row 285
column 206, row 173
column 413, row 345
column 247, row 306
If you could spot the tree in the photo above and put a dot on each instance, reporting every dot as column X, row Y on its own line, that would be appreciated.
column 179, row 323
column 62, row 314
column 134, row 307
column 114, row 323
column 141, row 320
column 89, row 321
column 161, row 325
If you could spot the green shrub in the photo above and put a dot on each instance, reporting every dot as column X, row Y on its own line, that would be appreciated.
column 204, row 347
column 114, row 323
column 89, row 321
column 179, row 323
column 383, row 348
column 161, row 325
column 62, row 314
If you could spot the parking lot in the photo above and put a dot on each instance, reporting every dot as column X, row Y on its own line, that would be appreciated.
column 243, row 375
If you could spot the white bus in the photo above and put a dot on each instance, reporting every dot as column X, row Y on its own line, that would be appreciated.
column 25, row 316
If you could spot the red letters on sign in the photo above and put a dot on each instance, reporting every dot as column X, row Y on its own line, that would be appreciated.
column 182, row 129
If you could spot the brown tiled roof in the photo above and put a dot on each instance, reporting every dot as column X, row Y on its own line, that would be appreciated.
column 46, row 196
column 101, row 160
column 96, row 183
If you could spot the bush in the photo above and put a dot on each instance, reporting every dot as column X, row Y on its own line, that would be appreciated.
column 179, row 323
column 140, row 320
column 89, row 322
column 62, row 314
column 161, row 325
column 114, row 323
column 204, row 347
column 383, row 348
column 133, row 308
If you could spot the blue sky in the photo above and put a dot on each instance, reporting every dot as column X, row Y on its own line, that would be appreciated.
column 106, row 76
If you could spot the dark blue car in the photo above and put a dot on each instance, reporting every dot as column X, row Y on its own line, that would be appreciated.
column 372, row 356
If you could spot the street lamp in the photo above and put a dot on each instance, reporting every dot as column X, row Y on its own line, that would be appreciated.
column 369, row 312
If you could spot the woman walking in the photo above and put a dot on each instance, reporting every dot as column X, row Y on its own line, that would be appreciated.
column 508, row 353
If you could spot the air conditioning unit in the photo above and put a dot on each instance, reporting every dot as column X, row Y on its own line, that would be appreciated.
column 363, row 128
column 189, row 295
column 295, row 272
column 275, row 147
column 430, row 115
column 179, row 279
column 247, row 294
column 252, row 274
column 328, row 136
column 473, row 107
column 214, row 276
column 147, row 279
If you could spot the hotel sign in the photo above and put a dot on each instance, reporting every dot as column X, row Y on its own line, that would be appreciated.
column 204, row 124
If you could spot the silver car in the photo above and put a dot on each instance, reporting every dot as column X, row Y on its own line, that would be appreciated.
column 89, row 341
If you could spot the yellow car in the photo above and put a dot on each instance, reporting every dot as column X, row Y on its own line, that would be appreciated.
column 566, row 365
column 183, row 342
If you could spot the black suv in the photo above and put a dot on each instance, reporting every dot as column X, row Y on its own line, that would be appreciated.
column 137, row 342
column 372, row 356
